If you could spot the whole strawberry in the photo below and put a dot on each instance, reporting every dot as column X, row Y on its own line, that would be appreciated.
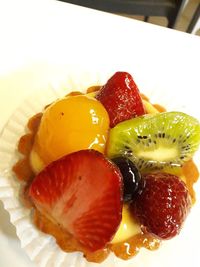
column 121, row 98
column 163, row 205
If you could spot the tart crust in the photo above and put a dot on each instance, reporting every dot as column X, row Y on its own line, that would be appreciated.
column 124, row 250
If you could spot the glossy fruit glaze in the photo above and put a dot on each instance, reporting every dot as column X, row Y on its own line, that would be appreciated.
column 123, row 250
column 71, row 124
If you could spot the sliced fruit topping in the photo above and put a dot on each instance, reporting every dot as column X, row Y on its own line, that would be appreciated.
column 128, row 228
column 70, row 124
column 82, row 192
column 121, row 98
column 156, row 141
column 163, row 205
column 131, row 177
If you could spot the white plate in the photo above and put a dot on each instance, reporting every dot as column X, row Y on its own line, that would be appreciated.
column 44, row 41
column 42, row 248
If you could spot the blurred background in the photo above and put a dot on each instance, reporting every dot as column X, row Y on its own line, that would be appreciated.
column 181, row 15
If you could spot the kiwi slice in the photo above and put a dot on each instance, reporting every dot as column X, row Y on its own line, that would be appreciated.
column 156, row 141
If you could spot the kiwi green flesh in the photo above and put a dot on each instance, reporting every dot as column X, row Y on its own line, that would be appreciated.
column 156, row 141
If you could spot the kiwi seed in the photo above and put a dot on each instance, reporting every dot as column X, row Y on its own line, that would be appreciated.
column 156, row 141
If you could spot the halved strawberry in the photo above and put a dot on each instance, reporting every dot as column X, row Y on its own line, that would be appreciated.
column 82, row 192
column 121, row 98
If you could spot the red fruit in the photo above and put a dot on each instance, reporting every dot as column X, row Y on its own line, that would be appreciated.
column 82, row 192
column 163, row 205
column 121, row 98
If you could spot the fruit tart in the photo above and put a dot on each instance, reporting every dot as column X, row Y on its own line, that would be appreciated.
column 108, row 172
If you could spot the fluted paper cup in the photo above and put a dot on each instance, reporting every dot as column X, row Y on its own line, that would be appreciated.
column 42, row 248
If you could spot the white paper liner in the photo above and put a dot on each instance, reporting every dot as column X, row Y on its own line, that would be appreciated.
column 40, row 247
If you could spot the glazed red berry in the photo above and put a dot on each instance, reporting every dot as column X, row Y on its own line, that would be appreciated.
column 121, row 98
column 163, row 205
column 82, row 192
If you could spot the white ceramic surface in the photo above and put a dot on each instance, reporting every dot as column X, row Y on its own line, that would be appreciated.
column 44, row 44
